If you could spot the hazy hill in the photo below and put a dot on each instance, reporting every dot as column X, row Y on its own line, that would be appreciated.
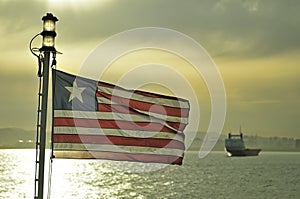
column 16, row 138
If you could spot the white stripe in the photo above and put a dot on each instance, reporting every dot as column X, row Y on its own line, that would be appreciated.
column 120, row 149
column 101, row 115
column 103, row 100
column 115, row 116
column 134, row 96
column 117, row 132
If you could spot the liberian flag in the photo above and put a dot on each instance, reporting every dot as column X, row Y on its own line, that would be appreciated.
column 97, row 120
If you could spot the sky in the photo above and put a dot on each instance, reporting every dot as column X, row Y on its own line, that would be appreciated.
column 255, row 45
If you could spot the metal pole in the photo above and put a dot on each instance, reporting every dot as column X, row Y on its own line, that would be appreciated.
column 43, row 124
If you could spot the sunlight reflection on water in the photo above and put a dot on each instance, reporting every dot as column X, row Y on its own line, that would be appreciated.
column 89, row 179
column 270, row 175
column 16, row 173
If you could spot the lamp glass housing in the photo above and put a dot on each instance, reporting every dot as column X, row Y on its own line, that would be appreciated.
column 48, row 33
column 48, row 41
column 49, row 25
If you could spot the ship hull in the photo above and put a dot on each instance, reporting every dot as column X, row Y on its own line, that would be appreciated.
column 244, row 152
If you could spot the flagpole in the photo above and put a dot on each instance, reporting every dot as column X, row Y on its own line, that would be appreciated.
column 47, row 48
column 43, row 126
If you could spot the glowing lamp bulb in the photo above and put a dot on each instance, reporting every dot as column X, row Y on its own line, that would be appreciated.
column 48, row 41
column 49, row 25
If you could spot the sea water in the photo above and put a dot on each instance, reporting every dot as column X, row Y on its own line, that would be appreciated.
column 269, row 175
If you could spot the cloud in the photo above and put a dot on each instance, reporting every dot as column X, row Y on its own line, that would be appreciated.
column 16, row 16
column 254, row 28
column 241, row 31
column 225, row 28
column 18, row 99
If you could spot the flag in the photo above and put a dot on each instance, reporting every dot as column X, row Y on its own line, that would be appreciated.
column 98, row 120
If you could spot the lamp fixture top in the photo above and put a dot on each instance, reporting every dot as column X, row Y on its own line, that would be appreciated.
column 49, row 16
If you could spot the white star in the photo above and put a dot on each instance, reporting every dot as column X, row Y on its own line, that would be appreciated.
column 75, row 92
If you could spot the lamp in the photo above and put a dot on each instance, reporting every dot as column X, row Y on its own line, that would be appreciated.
column 48, row 33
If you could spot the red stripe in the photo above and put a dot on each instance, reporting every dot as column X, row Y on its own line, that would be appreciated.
column 146, row 106
column 118, row 140
column 132, row 157
column 121, row 109
column 112, row 124
column 116, row 108
column 143, row 93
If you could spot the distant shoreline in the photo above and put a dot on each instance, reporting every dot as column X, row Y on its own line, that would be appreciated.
column 192, row 151
column 16, row 138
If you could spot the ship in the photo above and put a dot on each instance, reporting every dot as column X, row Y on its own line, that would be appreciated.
column 235, row 146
